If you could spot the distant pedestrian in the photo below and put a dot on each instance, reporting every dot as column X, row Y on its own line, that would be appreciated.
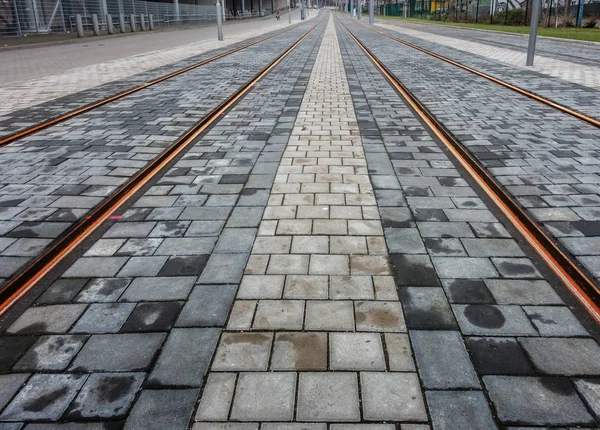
column 277, row 14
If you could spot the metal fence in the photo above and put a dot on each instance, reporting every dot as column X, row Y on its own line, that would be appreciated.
column 23, row 17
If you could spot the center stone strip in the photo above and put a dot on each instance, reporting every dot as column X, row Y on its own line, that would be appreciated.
column 316, row 333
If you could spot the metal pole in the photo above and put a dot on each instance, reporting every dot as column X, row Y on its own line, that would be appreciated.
column 219, row 21
column 556, row 15
column 492, row 7
column 477, row 13
column 359, row 7
column 549, row 13
column 535, row 17
column 176, row 6
column 526, row 11
column 110, row 28
column 79, row 25
column 18, row 21
column 35, row 18
column 289, row 12
column 371, row 12
column 580, row 14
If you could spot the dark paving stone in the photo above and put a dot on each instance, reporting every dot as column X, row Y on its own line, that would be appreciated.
column 103, row 318
column 536, row 401
column 493, row 320
column 11, row 348
column 467, row 291
column 44, row 397
column 118, row 352
column 62, row 291
column 460, row 410
column 50, row 353
column 47, row 319
column 208, row 305
column 563, row 356
column 9, row 385
column 426, row 308
column 499, row 356
column 176, row 369
column 162, row 409
column 414, row 270
column 103, row 290
column 152, row 316
column 105, row 396
column 184, row 265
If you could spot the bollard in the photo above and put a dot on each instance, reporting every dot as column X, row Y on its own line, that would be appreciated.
column 122, row 23
column 142, row 22
column 95, row 25
column 109, row 24
column 151, row 22
column 535, row 17
column 79, row 25
column 132, row 22
column 219, row 21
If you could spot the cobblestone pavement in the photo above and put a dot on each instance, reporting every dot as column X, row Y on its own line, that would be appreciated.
column 315, row 262
column 125, row 335
column 53, row 178
column 571, row 88
column 33, row 76
column 546, row 159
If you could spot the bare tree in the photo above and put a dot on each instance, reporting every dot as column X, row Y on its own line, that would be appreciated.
column 566, row 17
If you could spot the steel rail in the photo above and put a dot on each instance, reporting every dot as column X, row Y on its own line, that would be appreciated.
column 578, row 283
column 61, row 118
column 590, row 120
column 26, row 279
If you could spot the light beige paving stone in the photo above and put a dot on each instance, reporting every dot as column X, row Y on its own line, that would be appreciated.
column 261, row 286
column 365, row 228
column 290, row 426
column 348, row 245
column 305, row 287
column 267, row 228
column 369, row 265
column 392, row 397
column 330, row 227
column 241, row 315
column 272, row 245
column 300, row 351
column 216, row 398
column 310, row 245
column 294, row 227
column 399, row 352
column 257, row 265
column 356, row 351
column 264, row 397
column 279, row 315
column 279, row 212
column 376, row 245
column 362, row 427
column 345, row 212
column 288, row 264
column 385, row 288
column 243, row 351
column 328, row 397
column 225, row 426
column 329, row 265
column 351, row 287
column 379, row 316
column 329, row 315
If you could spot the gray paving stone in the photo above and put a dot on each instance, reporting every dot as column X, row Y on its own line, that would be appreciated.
column 95, row 267
column 404, row 241
column 44, row 397
column 590, row 390
column 563, row 356
column 467, row 291
column 50, row 353
column 555, row 321
column 427, row 308
column 499, row 356
column 356, row 351
column 186, row 246
column 331, row 396
column 464, row 267
column 118, row 352
column 493, row 320
column 460, row 410
column 455, row 371
column 522, row 292
column 9, row 385
column 516, row 268
column 142, row 266
column 162, row 409
column 103, row 318
column 103, row 290
column 62, row 291
column 245, row 216
column 264, row 397
column 299, row 351
column 106, row 395
column 158, row 289
column 224, row 269
column 392, row 397
column 541, row 401
column 208, row 305
column 47, row 319
column 174, row 368
column 235, row 241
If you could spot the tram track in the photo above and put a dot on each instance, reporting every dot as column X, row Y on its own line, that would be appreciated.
column 16, row 287
column 561, row 263
column 555, row 105
column 6, row 140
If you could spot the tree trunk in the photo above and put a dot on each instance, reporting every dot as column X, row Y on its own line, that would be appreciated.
column 565, row 18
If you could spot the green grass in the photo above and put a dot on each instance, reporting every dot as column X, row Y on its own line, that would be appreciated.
column 589, row 34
